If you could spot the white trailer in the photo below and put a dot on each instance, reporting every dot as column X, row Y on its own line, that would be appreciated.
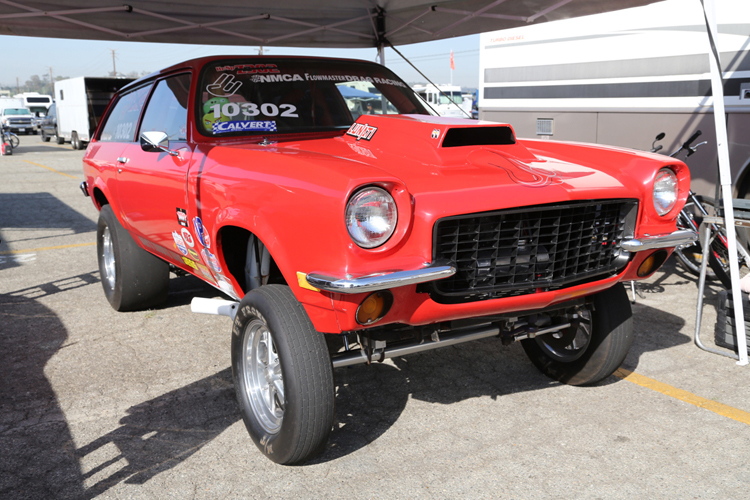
column 621, row 78
column 81, row 102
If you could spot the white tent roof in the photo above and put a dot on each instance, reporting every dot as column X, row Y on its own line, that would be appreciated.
column 308, row 23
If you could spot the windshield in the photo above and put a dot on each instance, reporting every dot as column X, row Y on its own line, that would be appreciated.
column 261, row 96
column 16, row 111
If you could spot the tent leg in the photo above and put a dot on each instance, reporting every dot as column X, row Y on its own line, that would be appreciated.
column 725, row 175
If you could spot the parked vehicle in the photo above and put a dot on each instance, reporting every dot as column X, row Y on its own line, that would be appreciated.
column 343, row 241
column 17, row 120
column 614, row 79
column 48, row 126
column 446, row 100
column 80, row 104
column 35, row 102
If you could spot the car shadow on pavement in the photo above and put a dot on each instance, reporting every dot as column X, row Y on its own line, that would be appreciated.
column 159, row 434
column 38, row 454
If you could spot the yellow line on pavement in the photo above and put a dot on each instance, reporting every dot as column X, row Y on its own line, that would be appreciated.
column 30, row 250
column 687, row 397
column 52, row 169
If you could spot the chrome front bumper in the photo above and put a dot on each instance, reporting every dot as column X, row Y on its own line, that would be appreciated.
column 681, row 237
column 380, row 281
column 386, row 280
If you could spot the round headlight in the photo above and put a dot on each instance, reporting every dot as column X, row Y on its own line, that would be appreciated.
column 371, row 217
column 665, row 191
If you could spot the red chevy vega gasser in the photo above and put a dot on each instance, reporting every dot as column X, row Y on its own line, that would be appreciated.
column 349, row 224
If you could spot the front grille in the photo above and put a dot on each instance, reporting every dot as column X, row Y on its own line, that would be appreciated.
column 525, row 250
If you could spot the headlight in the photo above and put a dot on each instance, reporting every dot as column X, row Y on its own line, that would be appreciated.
column 371, row 217
column 665, row 191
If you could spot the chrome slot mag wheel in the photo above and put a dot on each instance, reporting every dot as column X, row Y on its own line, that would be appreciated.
column 108, row 254
column 264, row 383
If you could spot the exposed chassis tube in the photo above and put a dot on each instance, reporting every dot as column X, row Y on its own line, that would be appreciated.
column 481, row 332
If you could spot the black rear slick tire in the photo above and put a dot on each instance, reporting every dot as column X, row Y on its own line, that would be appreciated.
column 132, row 278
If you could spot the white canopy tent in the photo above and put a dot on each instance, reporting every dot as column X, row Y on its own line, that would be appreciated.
column 339, row 23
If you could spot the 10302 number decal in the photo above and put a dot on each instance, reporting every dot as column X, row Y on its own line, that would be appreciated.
column 249, row 109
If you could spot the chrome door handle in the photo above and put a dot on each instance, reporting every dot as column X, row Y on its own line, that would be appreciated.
column 122, row 160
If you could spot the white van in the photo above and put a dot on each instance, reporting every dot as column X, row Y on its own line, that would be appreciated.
column 447, row 100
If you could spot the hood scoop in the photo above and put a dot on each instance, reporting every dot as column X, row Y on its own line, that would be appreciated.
column 501, row 135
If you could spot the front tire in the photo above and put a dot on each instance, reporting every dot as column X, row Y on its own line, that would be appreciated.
column 282, row 375
column 597, row 346
column 132, row 278
column 45, row 137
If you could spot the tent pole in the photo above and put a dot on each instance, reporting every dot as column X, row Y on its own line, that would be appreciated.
column 725, row 175
column 381, row 53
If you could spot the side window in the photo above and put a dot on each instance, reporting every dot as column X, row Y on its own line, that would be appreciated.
column 167, row 109
column 123, row 119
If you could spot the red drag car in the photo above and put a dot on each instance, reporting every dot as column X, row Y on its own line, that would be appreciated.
column 325, row 197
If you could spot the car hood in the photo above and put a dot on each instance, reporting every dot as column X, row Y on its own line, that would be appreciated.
column 433, row 155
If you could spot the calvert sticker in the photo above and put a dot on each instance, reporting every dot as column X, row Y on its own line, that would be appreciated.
column 201, row 232
column 187, row 237
column 179, row 243
column 362, row 131
column 243, row 126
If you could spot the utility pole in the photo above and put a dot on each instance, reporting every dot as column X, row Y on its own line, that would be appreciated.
column 114, row 68
column 18, row 87
column 51, row 81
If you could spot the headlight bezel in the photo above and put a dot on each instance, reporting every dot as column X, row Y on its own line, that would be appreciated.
column 665, row 200
column 355, row 206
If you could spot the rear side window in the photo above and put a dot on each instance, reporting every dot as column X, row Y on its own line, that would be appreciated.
column 122, row 121
column 167, row 108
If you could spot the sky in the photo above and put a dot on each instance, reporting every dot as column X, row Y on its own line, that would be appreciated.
column 72, row 58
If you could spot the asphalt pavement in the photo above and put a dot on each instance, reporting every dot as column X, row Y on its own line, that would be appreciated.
column 95, row 403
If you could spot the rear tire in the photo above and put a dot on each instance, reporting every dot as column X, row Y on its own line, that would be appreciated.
column 132, row 278
column 595, row 349
column 282, row 375
column 75, row 141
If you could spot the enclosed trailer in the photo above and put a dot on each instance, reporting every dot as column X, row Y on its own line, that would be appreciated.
column 81, row 102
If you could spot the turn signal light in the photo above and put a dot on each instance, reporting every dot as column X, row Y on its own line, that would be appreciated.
column 374, row 307
column 652, row 263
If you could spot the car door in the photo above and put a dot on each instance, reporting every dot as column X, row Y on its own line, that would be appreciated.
column 118, row 132
column 152, row 185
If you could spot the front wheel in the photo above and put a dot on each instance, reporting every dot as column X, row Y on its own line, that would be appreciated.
column 132, row 278
column 45, row 137
column 13, row 140
column 282, row 375
column 592, row 349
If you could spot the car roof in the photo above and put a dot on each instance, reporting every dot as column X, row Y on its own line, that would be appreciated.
column 199, row 62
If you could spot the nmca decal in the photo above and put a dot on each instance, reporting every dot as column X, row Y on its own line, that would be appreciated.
column 362, row 131
column 276, row 78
